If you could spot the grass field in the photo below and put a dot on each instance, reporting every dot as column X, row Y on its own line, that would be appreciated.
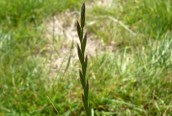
column 131, row 75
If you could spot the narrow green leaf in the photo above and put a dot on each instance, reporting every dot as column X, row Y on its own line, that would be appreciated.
column 87, row 90
column 82, row 79
column 86, row 61
column 79, row 54
column 85, row 66
column 84, row 42
column 79, row 31
column 83, row 15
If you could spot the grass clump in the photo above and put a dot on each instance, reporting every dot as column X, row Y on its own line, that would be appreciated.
column 20, row 12
column 22, row 76
column 153, row 15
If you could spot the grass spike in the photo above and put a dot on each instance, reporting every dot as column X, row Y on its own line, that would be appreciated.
column 83, row 60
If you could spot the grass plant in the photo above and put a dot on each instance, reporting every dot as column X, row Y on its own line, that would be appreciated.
column 83, row 60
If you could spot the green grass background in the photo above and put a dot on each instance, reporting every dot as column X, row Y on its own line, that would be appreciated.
column 136, row 79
